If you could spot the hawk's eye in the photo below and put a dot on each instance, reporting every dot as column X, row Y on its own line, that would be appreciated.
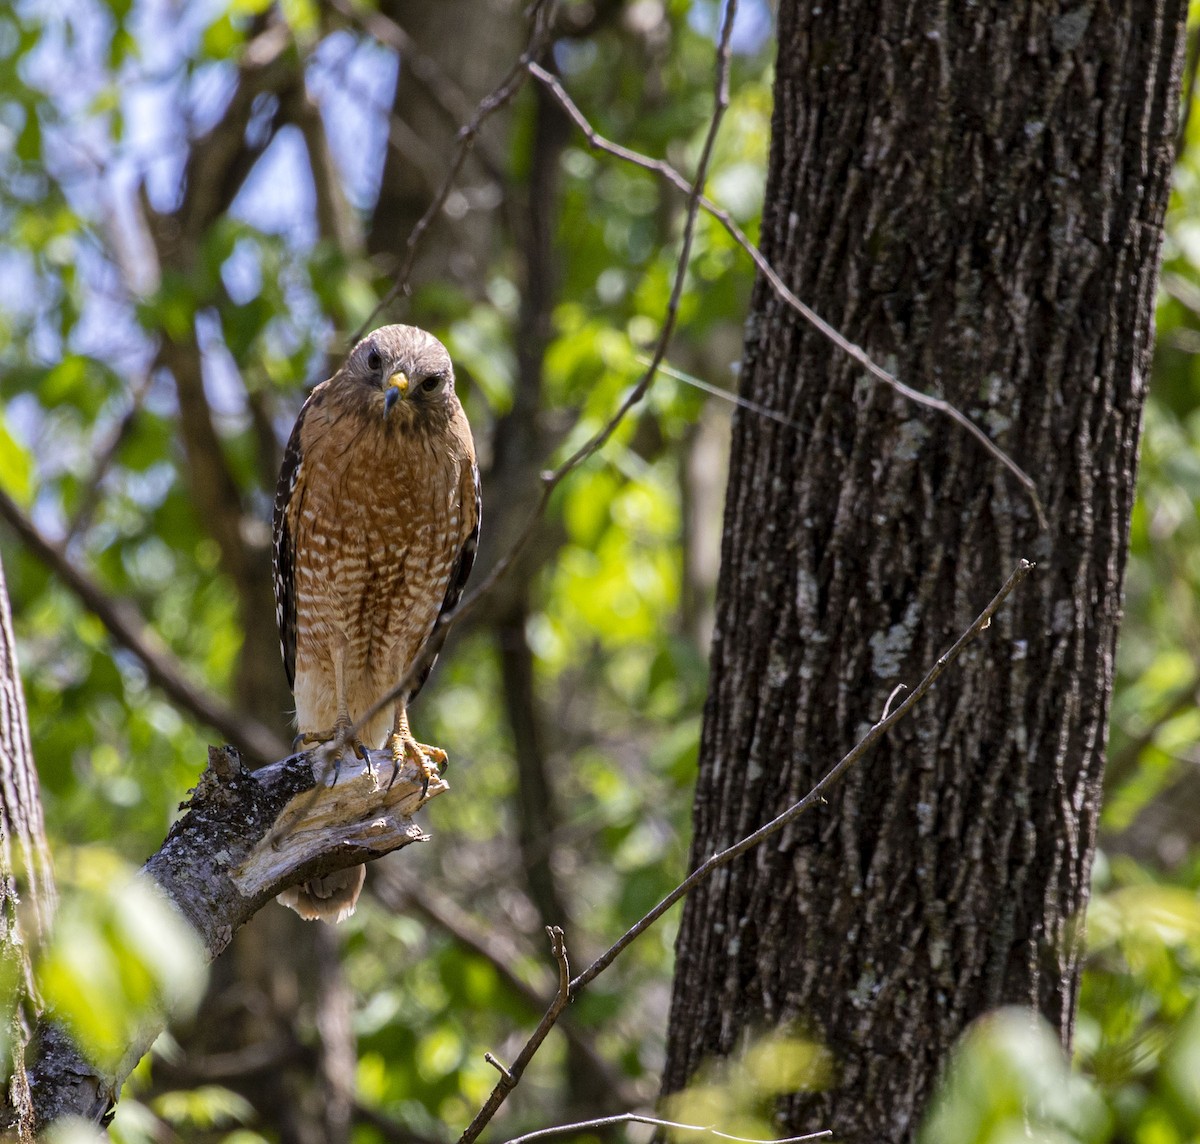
column 374, row 361
column 431, row 383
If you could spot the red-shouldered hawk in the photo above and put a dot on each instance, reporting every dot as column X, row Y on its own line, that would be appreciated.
column 376, row 524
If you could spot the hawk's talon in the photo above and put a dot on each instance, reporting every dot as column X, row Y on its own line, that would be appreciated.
column 334, row 743
column 429, row 761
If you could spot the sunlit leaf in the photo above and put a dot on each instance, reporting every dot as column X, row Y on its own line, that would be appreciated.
column 1008, row 1081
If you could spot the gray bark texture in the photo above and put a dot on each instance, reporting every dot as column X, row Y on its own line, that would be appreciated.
column 974, row 194
column 27, row 893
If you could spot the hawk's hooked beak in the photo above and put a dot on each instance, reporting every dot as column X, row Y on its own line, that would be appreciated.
column 397, row 387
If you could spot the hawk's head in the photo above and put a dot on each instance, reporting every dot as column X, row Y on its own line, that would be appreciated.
column 404, row 374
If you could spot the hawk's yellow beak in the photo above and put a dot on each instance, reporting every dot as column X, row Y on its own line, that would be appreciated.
column 397, row 387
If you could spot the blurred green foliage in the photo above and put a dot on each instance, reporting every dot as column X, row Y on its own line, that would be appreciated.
column 119, row 954
column 739, row 1094
column 1009, row 1082
column 99, row 98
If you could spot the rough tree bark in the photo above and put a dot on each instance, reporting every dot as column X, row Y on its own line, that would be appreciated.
column 974, row 194
column 27, row 894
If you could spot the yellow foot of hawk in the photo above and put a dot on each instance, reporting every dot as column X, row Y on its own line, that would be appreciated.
column 429, row 761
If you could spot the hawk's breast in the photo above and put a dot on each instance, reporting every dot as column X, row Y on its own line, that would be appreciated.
column 377, row 524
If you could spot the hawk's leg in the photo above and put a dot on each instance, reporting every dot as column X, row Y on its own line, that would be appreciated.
column 429, row 761
column 341, row 733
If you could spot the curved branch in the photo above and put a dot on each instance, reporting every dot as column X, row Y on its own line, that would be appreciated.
column 664, row 170
column 569, row 990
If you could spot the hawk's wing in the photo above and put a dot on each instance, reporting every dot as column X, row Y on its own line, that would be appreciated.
column 290, row 487
column 463, row 563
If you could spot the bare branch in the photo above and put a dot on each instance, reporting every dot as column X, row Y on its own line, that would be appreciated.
column 511, row 1078
column 706, row 869
column 400, row 895
column 129, row 630
column 639, row 1118
column 666, row 171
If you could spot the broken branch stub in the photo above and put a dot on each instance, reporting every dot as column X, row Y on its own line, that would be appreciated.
column 247, row 835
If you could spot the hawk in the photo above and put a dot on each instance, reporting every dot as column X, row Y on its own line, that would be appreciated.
column 375, row 528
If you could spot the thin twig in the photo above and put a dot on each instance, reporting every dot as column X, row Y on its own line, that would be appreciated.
column 638, row 1118
column 487, row 107
column 724, row 394
column 509, row 1079
column 706, row 869
column 491, row 1060
column 888, row 705
column 666, row 171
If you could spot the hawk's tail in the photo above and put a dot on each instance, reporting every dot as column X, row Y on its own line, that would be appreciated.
column 329, row 899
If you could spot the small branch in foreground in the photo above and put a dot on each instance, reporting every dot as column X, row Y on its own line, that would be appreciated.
column 401, row 895
column 638, row 1118
column 511, row 1077
column 706, row 869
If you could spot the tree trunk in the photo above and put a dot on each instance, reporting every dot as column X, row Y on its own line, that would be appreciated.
column 461, row 53
column 27, row 894
column 973, row 194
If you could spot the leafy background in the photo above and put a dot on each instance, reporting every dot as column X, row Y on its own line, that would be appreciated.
column 570, row 700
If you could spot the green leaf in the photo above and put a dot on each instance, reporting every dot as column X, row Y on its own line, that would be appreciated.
column 120, row 954
column 1009, row 1080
